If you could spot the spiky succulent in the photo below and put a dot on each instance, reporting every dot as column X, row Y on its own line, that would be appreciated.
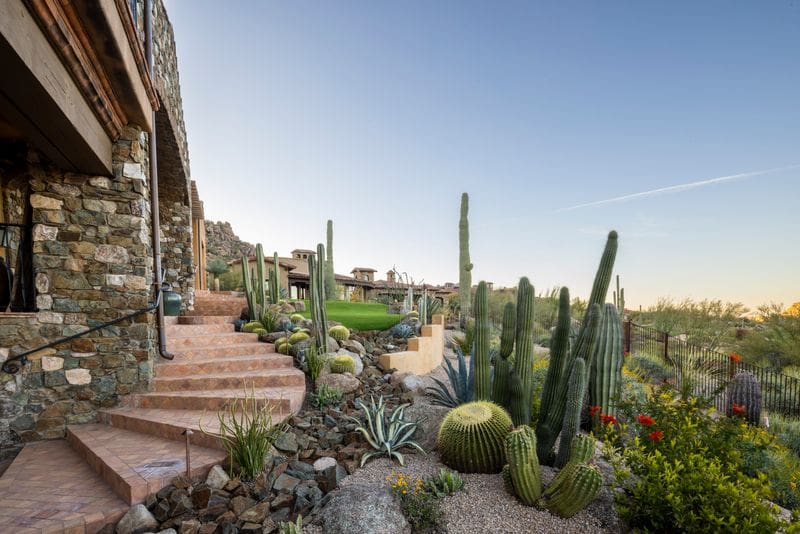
column 461, row 382
column 343, row 364
column 572, row 489
column 472, row 437
column 297, row 337
column 296, row 318
column 402, row 330
column 339, row 332
column 386, row 434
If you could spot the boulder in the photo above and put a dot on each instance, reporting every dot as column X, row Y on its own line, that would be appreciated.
column 412, row 383
column 353, row 346
column 344, row 381
column 137, row 519
column 298, row 305
column 363, row 509
column 429, row 418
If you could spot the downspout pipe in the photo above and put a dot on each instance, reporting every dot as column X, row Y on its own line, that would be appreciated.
column 154, row 209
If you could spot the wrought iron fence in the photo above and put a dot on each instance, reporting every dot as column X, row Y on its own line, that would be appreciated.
column 708, row 371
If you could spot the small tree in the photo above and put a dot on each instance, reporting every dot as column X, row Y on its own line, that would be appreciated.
column 217, row 266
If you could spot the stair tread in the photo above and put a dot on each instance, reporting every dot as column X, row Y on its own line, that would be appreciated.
column 231, row 358
column 138, row 464
column 197, row 420
column 50, row 488
column 268, row 392
column 279, row 371
column 267, row 346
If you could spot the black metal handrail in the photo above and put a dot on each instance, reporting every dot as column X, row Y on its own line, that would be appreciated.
column 15, row 363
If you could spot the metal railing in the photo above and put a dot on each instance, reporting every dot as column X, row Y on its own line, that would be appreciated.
column 15, row 363
column 710, row 370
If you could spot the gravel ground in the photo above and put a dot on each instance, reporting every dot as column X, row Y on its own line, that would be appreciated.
column 485, row 506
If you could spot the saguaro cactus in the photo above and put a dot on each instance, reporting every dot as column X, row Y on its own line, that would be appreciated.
column 572, row 417
column 261, row 292
column 319, row 317
column 570, row 493
column 606, row 370
column 330, row 277
column 522, row 392
column 481, row 352
column 464, row 263
column 523, row 465
column 502, row 365
column 275, row 280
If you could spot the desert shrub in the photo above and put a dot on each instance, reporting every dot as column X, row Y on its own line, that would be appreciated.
column 691, row 472
column 421, row 508
column 314, row 362
column 651, row 368
column 787, row 431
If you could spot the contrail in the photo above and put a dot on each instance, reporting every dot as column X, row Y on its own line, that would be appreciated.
column 677, row 188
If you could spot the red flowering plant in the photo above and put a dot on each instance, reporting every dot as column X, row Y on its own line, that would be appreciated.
column 735, row 358
column 739, row 409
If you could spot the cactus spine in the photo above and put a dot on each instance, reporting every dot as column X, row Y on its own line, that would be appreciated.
column 523, row 465
column 569, row 494
column 745, row 392
column 606, row 370
column 572, row 417
column 522, row 374
column 464, row 264
column 481, row 352
column 502, row 365
column 330, row 277
column 275, row 280
column 319, row 317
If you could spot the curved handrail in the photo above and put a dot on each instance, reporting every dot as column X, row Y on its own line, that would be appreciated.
column 15, row 363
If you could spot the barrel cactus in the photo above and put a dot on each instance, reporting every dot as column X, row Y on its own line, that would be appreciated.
column 472, row 437
column 296, row 318
column 744, row 397
column 252, row 326
column 412, row 313
column 283, row 348
column 339, row 333
column 572, row 489
column 343, row 364
column 523, row 465
column 297, row 337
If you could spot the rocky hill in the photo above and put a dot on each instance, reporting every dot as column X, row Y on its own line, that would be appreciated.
column 221, row 242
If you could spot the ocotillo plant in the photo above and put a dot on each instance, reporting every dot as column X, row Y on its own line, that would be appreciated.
column 522, row 374
column 275, row 280
column 605, row 376
column 464, row 263
column 319, row 317
column 481, row 352
column 502, row 365
column 330, row 277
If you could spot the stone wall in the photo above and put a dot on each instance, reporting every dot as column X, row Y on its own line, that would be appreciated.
column 93, row 263
column 222, row 242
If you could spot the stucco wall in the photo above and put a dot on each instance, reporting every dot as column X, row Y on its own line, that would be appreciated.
column 424, row 353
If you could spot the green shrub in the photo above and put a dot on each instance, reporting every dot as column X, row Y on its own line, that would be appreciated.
column 326, row 396
column 787, row 431
column 314, row 363
column 421, row 508
column 653, row 369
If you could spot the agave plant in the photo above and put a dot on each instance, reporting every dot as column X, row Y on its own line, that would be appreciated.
column 386, row 435
column 462, row 383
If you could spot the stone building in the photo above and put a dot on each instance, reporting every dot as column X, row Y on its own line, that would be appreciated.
column 80, row 108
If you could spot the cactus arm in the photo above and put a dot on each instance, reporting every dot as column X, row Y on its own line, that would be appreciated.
column 574, row 491
column 606, row 369
column 481, row 354
column 559, row 355
column 502, row 365
column 522, row 392
column 524, row 465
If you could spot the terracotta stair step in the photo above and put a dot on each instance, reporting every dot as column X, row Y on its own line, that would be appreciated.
column 183, row 330
column 207, row 319
column 171, row 424
column 136, row 464
column 50, row 488
column 208, row 340
column 239, row 349
column 259, row 378
column 182, row 368
column 283, row 399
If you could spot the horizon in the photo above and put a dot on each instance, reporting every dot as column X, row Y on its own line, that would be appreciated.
column 675, row 125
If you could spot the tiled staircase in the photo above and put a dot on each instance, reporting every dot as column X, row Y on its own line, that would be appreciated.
column 138, row 447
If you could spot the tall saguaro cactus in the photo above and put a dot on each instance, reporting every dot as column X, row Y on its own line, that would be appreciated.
column 316, row 277
column 502, row 365
column 605, row 378
column 464, row 263
column 275, row 280
column 522, row 374
column 330, row 277
column 481, row 353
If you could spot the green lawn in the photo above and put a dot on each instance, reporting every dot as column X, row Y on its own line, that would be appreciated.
column 358, row 315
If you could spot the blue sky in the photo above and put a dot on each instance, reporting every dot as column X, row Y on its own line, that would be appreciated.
column 379, row 114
